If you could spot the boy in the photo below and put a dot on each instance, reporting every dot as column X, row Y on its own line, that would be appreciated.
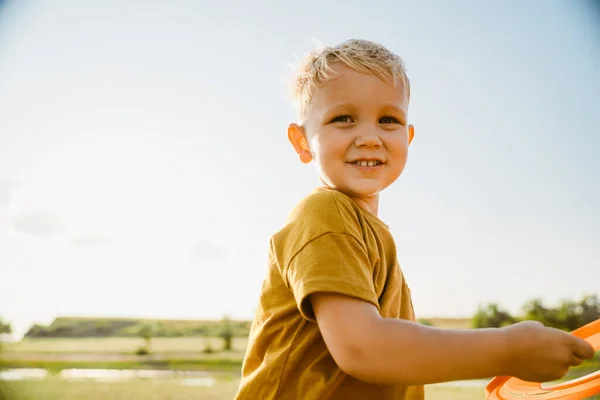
column 335, row 318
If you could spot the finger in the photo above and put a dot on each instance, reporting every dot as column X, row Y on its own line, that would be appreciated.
column 575, row 361
column 583, row 349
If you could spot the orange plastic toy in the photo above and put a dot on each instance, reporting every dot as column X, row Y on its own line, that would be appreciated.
column 510, row 388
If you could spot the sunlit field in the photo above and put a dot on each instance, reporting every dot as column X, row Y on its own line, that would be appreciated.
column 59, row 389
column 120, row 345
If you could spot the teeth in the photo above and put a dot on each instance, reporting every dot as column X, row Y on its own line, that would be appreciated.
column 370, row 163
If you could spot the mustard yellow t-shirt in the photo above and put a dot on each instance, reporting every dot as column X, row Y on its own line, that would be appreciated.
column 329, row 244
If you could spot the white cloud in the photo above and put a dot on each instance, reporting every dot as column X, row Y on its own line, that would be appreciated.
column 40, row 224
column 92, row 239
column 204, row 251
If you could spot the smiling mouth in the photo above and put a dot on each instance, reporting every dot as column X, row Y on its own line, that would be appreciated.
column 365, row 163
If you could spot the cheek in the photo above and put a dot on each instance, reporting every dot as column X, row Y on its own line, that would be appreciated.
column 329, row 148
column 399, row 151
column 399, row 145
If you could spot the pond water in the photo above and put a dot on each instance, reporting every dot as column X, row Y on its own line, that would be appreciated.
column 188, row 378
column 22, row 373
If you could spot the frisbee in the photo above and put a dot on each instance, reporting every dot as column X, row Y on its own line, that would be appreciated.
column 511, row 388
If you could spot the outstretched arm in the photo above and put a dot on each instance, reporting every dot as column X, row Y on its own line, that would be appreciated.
column 393, row 351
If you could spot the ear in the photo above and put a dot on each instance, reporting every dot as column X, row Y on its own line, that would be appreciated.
column 297, row 138
column 411, row 133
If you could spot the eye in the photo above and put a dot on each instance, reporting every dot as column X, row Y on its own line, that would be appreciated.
column 342, row 118
column 389, row 120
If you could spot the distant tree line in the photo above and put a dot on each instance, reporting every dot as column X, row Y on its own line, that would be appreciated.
column 568, row 315
column 87, row 328
column 225, row 330
column 5, row 328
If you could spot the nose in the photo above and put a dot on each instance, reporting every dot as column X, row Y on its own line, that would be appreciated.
column 369, row 139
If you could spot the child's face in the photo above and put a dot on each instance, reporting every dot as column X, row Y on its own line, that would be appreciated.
column 353, row 120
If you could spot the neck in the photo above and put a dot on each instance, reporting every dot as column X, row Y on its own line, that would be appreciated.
column 371, row 204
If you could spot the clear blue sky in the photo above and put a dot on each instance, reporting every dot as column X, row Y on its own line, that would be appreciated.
column 144, row 161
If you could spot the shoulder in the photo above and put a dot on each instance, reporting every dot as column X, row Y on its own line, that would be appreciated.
column 324, row 209
column 322, row 212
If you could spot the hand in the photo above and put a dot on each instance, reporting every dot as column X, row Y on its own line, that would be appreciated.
column 541, row 354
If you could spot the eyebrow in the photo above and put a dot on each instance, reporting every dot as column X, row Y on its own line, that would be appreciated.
column 327, row 112
column 394, row 107
column 348, row 106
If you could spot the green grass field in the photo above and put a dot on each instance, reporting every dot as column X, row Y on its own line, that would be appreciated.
column 57, row 389
column 120, row 345
column 119, row 353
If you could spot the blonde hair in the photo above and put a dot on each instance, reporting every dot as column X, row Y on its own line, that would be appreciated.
column 361, row 55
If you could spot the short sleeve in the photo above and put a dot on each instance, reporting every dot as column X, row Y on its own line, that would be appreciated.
column 335, row 263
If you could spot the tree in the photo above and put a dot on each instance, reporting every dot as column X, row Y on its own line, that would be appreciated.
column 146, row 332
column 491, row 316
column 590, row 308
column 226, row 333
column 536, row 311
column 5, row 329
column 568, row 315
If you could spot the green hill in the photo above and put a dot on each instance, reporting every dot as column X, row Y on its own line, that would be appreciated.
column 83, row 327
